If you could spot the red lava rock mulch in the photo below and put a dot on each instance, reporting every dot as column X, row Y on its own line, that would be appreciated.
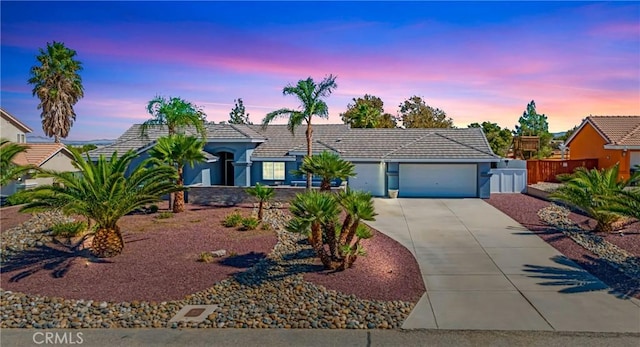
column 524, row 208
column 11, row 217
column 388, row 272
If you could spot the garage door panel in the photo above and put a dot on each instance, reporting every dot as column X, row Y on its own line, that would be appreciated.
column 370, row 178
column 438, row 180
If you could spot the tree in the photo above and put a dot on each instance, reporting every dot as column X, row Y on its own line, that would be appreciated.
column 84, row 148
column 57, row 83
column 9, row 171
column 176, row 114
column 310, row 95
column 104, row 194
column 237, row 114
column 263, row 194
column 534, row 124
column 178, row 150
column 328, row 166
column 368, row 112
column 415, row 113
column 567, row 134
column 591, row 191
column 626, row 203
column 499, row 139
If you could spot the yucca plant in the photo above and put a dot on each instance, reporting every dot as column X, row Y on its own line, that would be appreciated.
column 101, row 192
column 328, row 166
column 263, row 194
column 591, row 192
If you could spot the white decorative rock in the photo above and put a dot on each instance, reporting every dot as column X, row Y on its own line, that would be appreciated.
column 219, row 253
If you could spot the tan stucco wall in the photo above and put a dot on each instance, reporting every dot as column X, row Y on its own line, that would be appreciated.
column 9, row 131
column 59, row 162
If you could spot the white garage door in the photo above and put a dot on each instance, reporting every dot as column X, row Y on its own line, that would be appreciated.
column 438, row 180
column 370, row 178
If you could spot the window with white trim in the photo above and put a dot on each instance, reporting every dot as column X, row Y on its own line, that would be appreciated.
column 272, row 170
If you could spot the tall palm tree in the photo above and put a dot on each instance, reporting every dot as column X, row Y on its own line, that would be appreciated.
column 9, row 171
column 327, row 165
column 58, row 85
column 102, row 193
column 178, row 150
column 263, row 194
column 589, row 191
column 175, row 113
column 310, row 96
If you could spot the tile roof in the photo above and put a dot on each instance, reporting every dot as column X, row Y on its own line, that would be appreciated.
column 618, row 130
column 38, row 153
column 280, row 141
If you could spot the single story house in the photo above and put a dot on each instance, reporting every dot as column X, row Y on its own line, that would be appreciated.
column 416, row 162
column 610, row 139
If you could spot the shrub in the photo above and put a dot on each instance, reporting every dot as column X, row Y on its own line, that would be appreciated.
column 250, row 223
column 153, row 209
column 232, row 220
column 205, row 257
column 165, row 215
column 69, row 229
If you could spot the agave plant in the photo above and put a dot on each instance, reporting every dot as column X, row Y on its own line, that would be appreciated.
column 327, row 165
column 102, row 193
column 263, row 194
column 591, row 191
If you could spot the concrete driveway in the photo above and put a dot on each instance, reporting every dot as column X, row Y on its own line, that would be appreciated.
column 483, row 270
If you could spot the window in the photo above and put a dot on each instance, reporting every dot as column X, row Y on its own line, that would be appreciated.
column 272, row 170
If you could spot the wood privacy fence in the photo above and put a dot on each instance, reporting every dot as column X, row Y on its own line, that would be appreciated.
column 547, row 170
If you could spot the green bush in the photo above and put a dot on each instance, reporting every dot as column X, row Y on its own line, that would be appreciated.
column 232, row 220
column 18, row 198
column 250, row 223
column 164, row 215
column 70, row 229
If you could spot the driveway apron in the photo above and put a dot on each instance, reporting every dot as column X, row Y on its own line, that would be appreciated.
column 483, row 270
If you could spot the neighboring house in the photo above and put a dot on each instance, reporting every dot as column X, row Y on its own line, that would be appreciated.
column 610, row 139
column 417, row 162
column 12, row 129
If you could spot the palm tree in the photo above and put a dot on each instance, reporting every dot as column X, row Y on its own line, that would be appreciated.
column 358, row 206
column 263, row 194
column 58, row 85
column 626, row 203
column 9, row 171
column 589, row 191
column 176, row 114
column 310, row 96
column 177, row 150
column 327, row 165
column 102, row 193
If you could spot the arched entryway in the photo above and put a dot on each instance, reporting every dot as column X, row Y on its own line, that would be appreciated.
column 226, row 168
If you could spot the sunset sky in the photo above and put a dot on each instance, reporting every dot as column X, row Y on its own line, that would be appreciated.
column 477, row 61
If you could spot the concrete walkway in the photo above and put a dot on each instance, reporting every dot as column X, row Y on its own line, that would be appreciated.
column 483, row 270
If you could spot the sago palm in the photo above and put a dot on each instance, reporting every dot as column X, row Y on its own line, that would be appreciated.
column 58, row 85
column 102, row 192
column 263, row 194
column 327, row 165
column 9, row 171
column 176, row 114
column 310, row 96
column 177, row 151
column 589, row 191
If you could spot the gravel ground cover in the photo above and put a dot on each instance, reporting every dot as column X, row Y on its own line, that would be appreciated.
column 280, row 285
column 524, row 209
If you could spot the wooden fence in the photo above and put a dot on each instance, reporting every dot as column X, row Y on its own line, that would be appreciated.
column 547, row 170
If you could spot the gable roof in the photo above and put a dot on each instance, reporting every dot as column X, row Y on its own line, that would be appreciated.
column 615, row 130
column 13, row 120
column 39, row 153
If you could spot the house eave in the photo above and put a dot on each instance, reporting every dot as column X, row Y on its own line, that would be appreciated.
column 623, row 147
column 434, row 160
column 273, row 159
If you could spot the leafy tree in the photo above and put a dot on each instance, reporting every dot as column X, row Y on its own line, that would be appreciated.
column 499, row 139
column 237, row 114
column 534, row 124
column 316, row 213
column 327, row 165
column 84, row 148
column 178, row 150
column 591, row 191
column 311, row 97
column 415, row 113
column 57, row 83
column 564, row 137
column 9, row 171
column 368, row 112
column 176, row 114
column 104, row 194
column 263, row 194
